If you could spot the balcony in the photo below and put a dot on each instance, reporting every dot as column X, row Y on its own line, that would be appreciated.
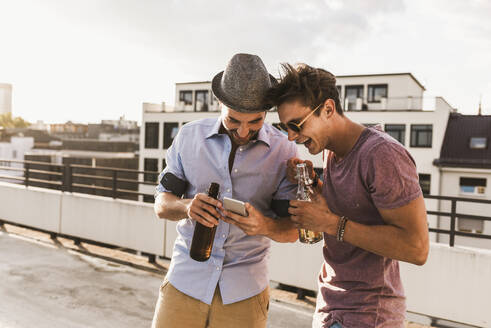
column 408, row 103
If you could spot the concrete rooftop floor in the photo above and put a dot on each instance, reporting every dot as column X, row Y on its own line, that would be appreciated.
column 55, row 283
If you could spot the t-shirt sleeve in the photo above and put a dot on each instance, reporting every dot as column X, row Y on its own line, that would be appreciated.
column 392, row 177
column 172, row 178
column 286, row 190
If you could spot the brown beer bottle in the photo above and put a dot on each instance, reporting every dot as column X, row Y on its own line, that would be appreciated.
column 305, row 192
column 203, row 236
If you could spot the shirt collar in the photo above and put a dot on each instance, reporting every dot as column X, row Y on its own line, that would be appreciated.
column 262, row 135
column 215, row 130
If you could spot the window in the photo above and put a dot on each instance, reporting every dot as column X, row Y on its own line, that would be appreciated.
column 425, row 183
column 353, row 92
column 152, row 135
column 201, row 104
column 421, row 135
column 148, row 199
column 470, row 225
column 339, row 90
column 186, row 96
column 478, row 143
column 376, row 92
column 151, row 165
column 396, row 131
column 170, row 132
column 377, row 126
column 472, row 186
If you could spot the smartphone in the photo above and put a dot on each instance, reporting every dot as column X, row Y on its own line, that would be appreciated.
column 234, row 205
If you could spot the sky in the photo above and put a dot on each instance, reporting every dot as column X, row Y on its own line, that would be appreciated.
column 89, row 60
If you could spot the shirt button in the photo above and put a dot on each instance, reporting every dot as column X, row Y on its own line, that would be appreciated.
column 236, row 170
column 240, row 149
column 228, row 190
column 223, row 236
column 218, row 268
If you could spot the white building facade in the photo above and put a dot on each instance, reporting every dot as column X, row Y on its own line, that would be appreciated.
column 14, row 150
column 394, row 101
column 465, row 169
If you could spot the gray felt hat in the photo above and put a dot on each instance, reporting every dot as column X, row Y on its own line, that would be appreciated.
column 243, row 84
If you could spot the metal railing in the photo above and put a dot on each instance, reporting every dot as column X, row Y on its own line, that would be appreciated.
column 389, row 103
column 102, row 181
column 74, row 177
column 454, row 215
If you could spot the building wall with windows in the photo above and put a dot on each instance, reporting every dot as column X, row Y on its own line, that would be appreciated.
column 399, row 91
column 466, row 183
column 14, row 149
column 465, row 166
column 69, row 130
column 195, row 97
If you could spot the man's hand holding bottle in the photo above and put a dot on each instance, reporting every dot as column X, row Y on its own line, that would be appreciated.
column 291, row 168
column 203, row 209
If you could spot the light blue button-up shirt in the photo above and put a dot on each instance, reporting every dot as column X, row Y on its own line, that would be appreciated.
column 238, row 262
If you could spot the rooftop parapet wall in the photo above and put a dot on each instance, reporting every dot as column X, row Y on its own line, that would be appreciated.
column 454, row 284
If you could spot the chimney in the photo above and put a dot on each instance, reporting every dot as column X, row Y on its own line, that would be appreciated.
column 479, row 111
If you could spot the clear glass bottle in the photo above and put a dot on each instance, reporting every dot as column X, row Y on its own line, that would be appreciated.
column 204, row 236
column 304, row 192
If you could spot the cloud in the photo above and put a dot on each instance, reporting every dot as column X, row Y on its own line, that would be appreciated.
column 185, row 32
column 87, row 57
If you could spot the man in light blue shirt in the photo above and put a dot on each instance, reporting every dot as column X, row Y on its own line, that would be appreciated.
column 248, row 159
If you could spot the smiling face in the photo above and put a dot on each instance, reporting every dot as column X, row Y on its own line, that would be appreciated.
column 314, row 132
column 241, row 127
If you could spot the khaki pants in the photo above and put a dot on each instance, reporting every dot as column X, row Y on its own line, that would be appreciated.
column 177, row 310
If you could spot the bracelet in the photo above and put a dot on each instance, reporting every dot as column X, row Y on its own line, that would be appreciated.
column 315, row 180
column 341, row 226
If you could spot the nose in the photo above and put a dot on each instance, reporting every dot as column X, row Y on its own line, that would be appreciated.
column 243, row 131
column 292, row 135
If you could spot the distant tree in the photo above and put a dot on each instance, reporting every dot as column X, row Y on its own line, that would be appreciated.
column 7, row 121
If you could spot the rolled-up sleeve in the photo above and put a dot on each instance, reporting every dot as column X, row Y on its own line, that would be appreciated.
column 174, row 167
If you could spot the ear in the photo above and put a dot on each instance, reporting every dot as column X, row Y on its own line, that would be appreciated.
column 329, row 107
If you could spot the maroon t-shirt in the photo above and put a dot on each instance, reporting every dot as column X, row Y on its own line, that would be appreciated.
column 359, row 288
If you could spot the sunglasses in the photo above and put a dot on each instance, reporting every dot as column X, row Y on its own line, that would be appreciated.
column 297, row 127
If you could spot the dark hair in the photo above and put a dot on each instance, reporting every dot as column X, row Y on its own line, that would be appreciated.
column 311, row 86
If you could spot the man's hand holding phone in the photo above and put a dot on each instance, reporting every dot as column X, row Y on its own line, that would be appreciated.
column 235, row 206
column 254, row 223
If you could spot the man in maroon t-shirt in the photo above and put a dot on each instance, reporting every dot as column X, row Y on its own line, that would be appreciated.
column 370, row 206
